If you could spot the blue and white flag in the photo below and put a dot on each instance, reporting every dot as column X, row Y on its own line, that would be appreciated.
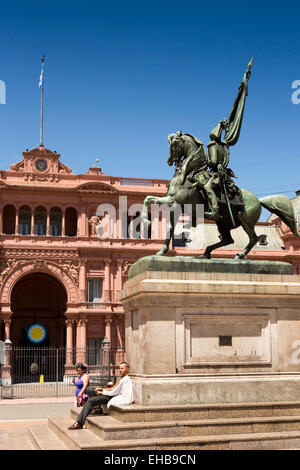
column 41, row 84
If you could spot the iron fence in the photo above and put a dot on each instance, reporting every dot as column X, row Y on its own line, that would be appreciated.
column 49, row 371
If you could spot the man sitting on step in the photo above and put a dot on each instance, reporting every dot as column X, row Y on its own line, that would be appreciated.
column 119, row 394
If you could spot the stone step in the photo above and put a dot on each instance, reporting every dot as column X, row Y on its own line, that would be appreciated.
column 139, row 413
column 108, row 428
column 282, row 442
column 75, row 440
column 42, row 438
column 86, row 440
column 14, row 436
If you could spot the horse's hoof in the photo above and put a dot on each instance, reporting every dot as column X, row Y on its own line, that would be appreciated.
column 239, row 256
column 147, row 223
column 160, row 253
column 203, row 257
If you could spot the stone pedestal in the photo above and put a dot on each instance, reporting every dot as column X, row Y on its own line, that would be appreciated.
column 212, row 331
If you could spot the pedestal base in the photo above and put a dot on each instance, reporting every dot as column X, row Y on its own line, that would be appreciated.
column 212, row 331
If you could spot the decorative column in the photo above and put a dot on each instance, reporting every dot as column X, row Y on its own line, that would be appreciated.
column 7, row 323
column 83, row 222
column 117, row 223
column 81, row 340
column 32, row 222
column 78, row 341
column 82, row 280
column 107, row 293
column 108, row 322
column 63, row 224
column 83, row 324
column 17, row 222
column 118, row 281
column 69, row 345
column 48, row 223
column 6, row 368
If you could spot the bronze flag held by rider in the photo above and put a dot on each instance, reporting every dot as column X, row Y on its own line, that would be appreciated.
column 220, row 184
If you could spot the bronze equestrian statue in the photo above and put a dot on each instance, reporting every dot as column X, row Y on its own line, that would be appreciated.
column 202, row 178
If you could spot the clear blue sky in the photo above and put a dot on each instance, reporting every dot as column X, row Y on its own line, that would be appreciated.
column 121, row 76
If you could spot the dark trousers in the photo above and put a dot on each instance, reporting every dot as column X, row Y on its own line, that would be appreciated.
column 94, row 401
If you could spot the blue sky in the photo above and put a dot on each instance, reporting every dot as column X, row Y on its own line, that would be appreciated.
column 121, row 76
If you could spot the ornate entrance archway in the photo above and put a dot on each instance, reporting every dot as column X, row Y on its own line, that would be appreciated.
column 38, row 298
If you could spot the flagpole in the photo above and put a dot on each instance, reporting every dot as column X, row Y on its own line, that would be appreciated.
column 41, row 85
column 41, row 124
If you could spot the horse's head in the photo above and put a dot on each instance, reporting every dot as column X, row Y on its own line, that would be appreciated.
column 181, row 145
column 176, row 145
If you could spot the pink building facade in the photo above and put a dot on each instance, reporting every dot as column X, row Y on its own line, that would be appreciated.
column 63, row 263
column 55, row 268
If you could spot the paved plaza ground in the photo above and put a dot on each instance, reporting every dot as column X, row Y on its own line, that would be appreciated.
column 17, row 414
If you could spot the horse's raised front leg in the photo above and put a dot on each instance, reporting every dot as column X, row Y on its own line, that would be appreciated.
column 144, row 216
column 168, row 201
column 153, row 200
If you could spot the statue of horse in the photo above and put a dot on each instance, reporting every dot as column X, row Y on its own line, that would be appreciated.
column 188, row 154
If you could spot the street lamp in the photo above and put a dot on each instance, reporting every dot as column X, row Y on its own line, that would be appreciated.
column 105, row 353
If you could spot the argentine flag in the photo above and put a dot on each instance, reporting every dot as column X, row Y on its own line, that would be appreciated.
column 41, row 84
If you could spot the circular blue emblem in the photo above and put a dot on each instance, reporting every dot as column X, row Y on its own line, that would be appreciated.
column 36, row 333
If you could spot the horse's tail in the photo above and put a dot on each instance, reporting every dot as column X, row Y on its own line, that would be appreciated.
column 281, row 206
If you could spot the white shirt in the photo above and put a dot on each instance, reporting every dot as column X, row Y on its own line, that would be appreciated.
column 122, row 394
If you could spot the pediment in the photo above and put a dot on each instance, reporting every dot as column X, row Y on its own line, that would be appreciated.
column 41, row 162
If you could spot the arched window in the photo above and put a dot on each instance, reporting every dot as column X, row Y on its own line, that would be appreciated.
column 40, row 221
column 9, row 219
column 24, row 220
column 71, row 222
column 55, row 222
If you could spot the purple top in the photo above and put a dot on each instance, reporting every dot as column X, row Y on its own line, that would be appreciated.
column 79, row 384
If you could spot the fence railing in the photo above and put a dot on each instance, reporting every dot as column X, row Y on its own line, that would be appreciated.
column 49, row 371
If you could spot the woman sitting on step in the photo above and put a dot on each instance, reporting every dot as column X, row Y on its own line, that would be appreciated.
column 81, row 383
